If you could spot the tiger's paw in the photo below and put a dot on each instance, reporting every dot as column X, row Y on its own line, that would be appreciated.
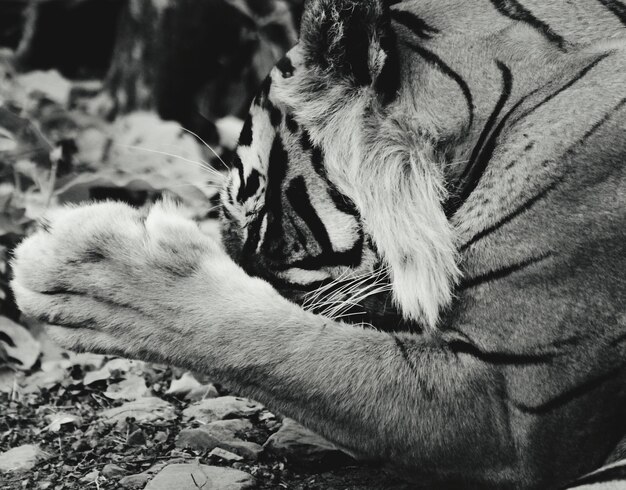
column 111, row 278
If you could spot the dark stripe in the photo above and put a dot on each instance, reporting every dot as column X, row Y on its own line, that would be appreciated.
column 467, row 188
column 476, row 173
column 594, row 129
column 254, row 235
column 501, row 273
column 471, row 169
column 501, row 358
column 434, row 60
column 576, row 392
column 301, row 237
column 617, row 473
column 412, row 22
column 349, row 258
column 238, row 164
column 275, row 115
column 245, row 137
column 279, row 160
column 298, row 196
column 341, row 202
column 616, row 8
column 507, row 219
column 405, row 355
column 291, row 123
column 531, row 202
column 6, row 339
column 569, row 84
column 516, row 11
column 285, row 67
column 251, row 186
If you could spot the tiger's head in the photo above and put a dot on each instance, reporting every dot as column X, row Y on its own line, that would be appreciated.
column 354, row 158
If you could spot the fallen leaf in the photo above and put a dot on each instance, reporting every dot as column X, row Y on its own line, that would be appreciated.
column 62, row 420
column 131, row 388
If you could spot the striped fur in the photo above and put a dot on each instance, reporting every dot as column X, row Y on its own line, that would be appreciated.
column 472, row 166
column 451, row 173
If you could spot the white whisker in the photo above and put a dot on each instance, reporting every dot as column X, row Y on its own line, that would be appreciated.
column 201, row 163
column 208, row 146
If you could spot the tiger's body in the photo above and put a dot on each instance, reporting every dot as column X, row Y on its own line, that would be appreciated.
column 454, row 171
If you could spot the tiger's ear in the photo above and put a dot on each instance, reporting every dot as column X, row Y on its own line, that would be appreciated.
column 351, row 39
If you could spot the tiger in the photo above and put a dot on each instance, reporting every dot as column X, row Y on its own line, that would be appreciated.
column 423, row 245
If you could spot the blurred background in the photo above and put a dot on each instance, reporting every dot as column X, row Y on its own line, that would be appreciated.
column 124, row 99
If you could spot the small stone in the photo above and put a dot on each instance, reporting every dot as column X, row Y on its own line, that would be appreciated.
column 135, row 482
column 90, row 477
column 194, row 476
column 301, row 446
column 143, row 410
column 22, row 458
column 224, row 407
column 196, row 439
column 222, row 434
column 225, row 455
column 113, row 471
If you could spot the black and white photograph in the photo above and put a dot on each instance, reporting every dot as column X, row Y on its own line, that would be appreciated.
column 313, row 244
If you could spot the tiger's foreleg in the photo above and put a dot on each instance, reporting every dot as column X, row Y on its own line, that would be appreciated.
column 153, row 287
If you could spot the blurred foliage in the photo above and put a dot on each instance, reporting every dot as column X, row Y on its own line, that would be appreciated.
column 152, row 107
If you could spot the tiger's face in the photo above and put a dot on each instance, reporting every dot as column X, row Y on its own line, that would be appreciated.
column 365, row 143
column 284, row 218
column 329, row 199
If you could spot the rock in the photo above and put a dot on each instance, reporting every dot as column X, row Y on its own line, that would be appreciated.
column 22, row 458
column 225, row 455
column 194, row 476
column 91, row 477
column 220, row 434
column 301, row 446
column 143, row 410
column 113, row 471
column 228, row 429
column 213, row 409
column 135, row 482
column 196, row 439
